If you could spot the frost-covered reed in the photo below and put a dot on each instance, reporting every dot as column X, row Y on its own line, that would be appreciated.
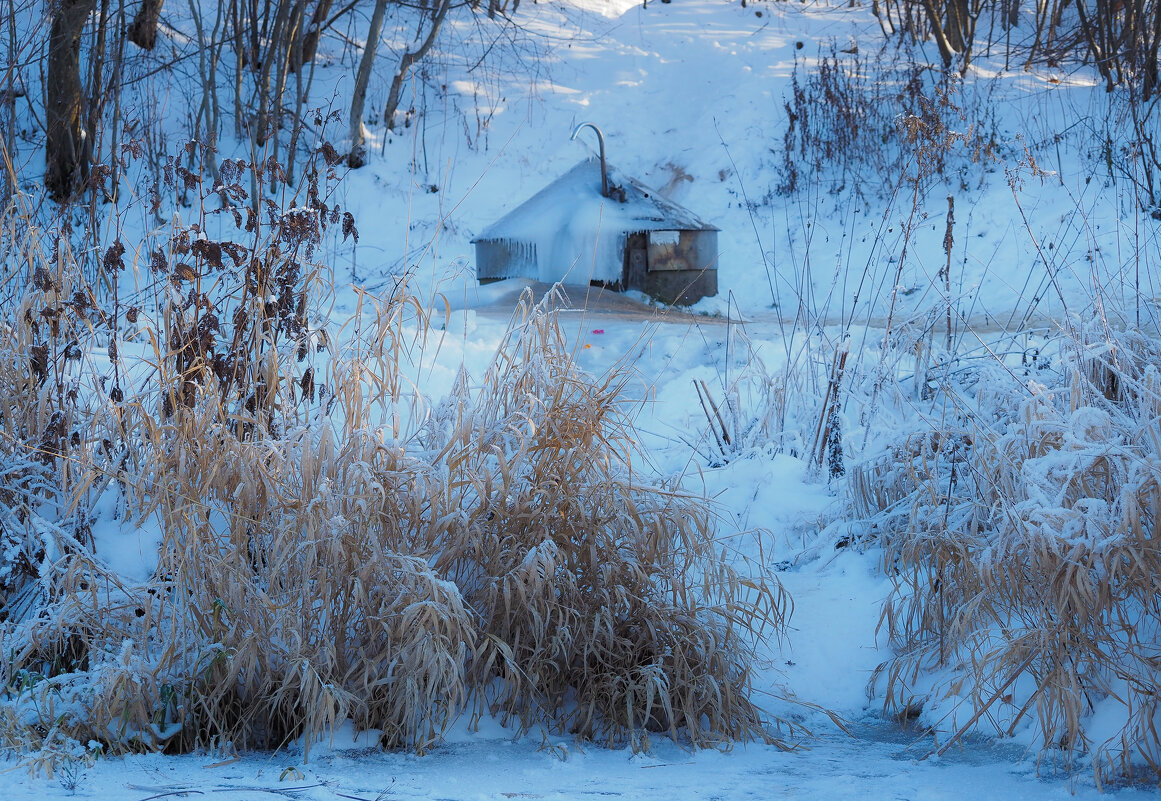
column 1023, row 543
column 334, row 548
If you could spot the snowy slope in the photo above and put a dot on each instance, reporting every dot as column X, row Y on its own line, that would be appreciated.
column 691, row 99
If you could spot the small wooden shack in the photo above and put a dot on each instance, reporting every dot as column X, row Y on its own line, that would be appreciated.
column 594, row 225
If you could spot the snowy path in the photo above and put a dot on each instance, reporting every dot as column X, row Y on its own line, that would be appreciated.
column 874, row 764
column 497, row 301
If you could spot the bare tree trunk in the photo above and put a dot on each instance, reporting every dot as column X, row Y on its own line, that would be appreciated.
column 280, row 55
column 1092, row 35
column 409, row 59
column 302, row 91
column 270, row 108
column 946, row 49
column 239, row 60
column 955, row 23
column 313, row 32
column 66, row 153
column 208, row 50
column 358, row 154
column 143, row 30
column 96, row 90
column 8, row 157
column 1152, row 80
column 115, row 121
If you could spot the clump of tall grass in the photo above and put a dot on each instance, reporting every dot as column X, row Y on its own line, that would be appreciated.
column 862, row 124
column 48, row 314
column 1023, row 544
column 591, row 584
column 334, row 548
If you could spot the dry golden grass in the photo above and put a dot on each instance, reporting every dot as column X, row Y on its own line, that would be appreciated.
column 39, row 358
column 334, row 548
column 589, row 582
column 1027, row 564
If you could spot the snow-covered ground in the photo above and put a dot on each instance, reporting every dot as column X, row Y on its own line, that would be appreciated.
column 690, row 96
column 873, row 763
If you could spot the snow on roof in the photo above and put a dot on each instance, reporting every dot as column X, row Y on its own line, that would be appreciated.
column 576, row 233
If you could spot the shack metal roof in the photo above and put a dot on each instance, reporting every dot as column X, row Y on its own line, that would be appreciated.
column 570, row 228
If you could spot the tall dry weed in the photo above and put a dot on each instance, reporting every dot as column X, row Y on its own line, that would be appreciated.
column 1026, row 564
column 357, row 554
column 606, row 607
column 864, row 125
column 44, row 463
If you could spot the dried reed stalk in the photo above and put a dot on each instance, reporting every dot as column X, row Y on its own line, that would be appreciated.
column 366, row 556
column 1026, row 564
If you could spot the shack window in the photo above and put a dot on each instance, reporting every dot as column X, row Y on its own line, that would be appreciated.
column 670, row 250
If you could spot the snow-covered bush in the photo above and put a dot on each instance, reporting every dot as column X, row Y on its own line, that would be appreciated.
column 867, row 125
column 1023, row 544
